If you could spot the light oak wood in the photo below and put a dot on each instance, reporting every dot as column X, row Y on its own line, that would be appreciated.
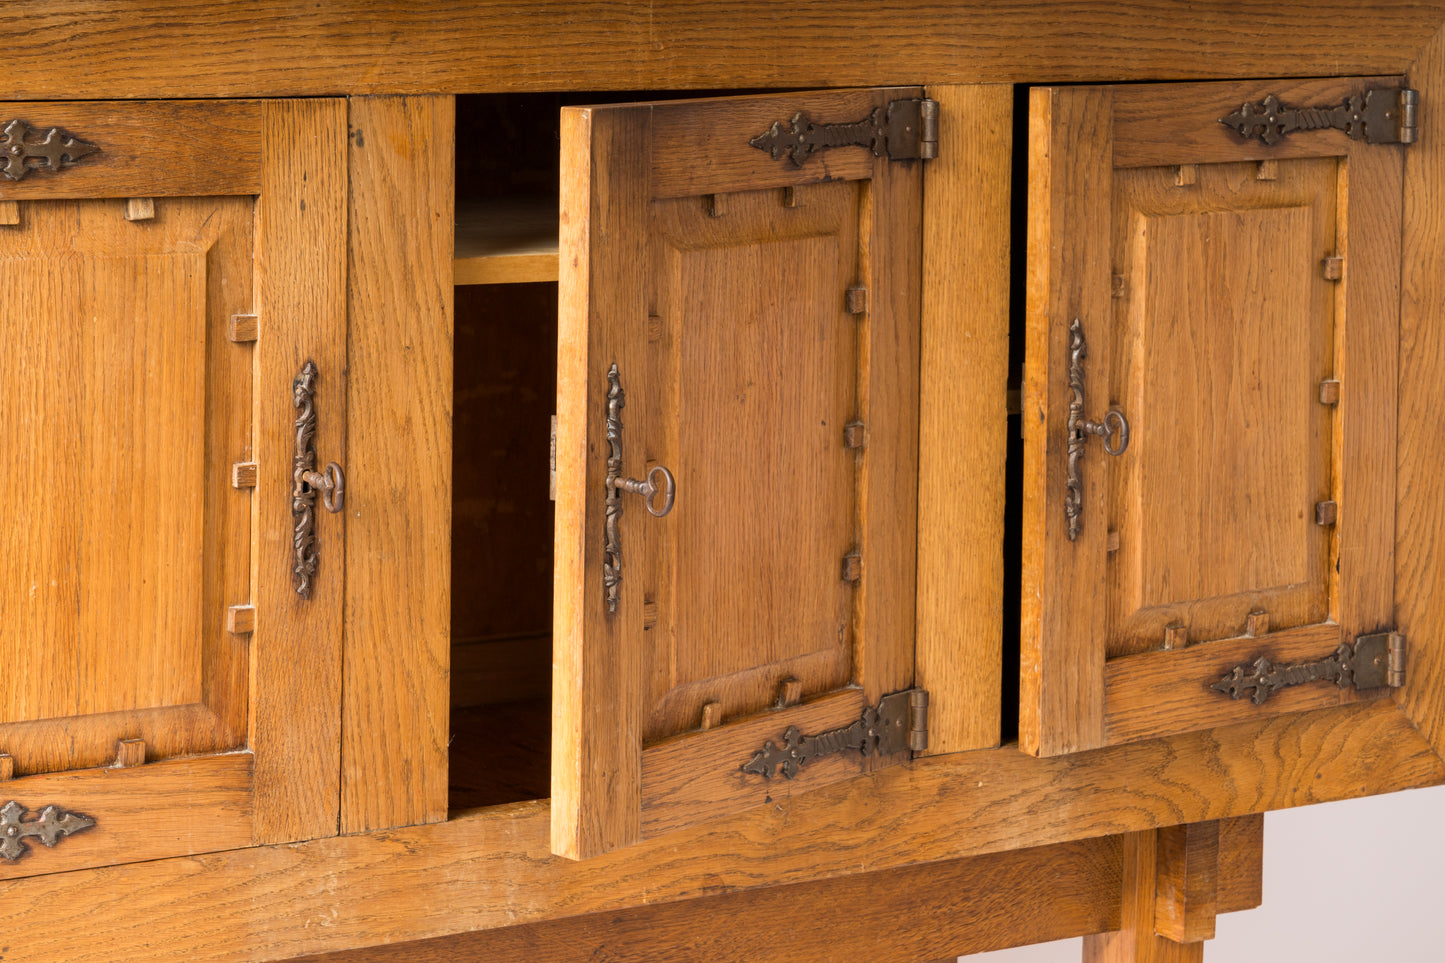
column 140, row 208
column 365, row 47
column 130, row 752
column 399, row 343
column 9, row 213
column 506, row 241
column 146, row 150
column 295, row 719
column 1187, row 881
column 742, row 386
column 902, row 914
column 1241, row 863
column 1136, row 941
column 1420, row 427
column 489, row 868
column 963, row 423
column 1061, row 701
column 245, row 327
column 241, row 619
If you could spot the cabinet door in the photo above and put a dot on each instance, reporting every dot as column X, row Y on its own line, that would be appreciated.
column 1235, row 299
column 750, row 324
column 151, row 628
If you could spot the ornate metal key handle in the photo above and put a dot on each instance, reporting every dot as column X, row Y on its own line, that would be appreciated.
column 306, row 481
column 658, row 489
column 1114, row 426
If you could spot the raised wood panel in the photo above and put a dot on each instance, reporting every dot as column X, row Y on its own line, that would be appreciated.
column 739, row 361
column 489, row 868
column 295, row 718
column 168, row 48
column 145, row 150
column 399, row 405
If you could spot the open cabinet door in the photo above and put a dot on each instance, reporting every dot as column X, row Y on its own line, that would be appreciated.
column 746, row 318
column 1213, row 304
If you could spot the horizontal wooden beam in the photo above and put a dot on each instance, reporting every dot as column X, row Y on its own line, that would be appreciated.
column 176, row 48
column 492, row 868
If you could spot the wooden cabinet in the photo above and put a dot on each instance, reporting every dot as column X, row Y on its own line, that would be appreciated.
column 1232, row 301
column 142, row 540
column 523, row 728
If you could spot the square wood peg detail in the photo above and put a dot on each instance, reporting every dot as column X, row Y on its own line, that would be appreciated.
column 1329, row 392
column 140, row 209
column 245, row 327
column 1176, row 636
column 790, row 693
column 243, row 474
column 711, row 716
column 856, row 299
column 852, row 567
column 1256, row 624
column 855, row 435
column 130, row 753
column 1268, row 170
column 7, row 767
column 1186, row 175
column 1333, row 268
column 1326, row 513
column 9, row 213
column 241, row 619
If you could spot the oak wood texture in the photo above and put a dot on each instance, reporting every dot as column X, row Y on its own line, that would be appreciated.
column 722, row 299
column 114, row 582
column 1420, row 428
column 490, row 868
column 1223, row 326
column 146, row 150
column 963, row 422
column 506, row 241
column 1241, row 863
column 159, row 810
column 1061, row 686
column 274, row 48
column 1187, row 881
column 398, row 502
column 295, row 717
column 1136, row 940
column 911, row 913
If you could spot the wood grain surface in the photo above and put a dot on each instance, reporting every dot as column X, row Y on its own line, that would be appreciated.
column 1136, row 941
column 963, row 423
column 175, row 48
column 399, row 508
column 1187, row 881
column 1420, row 429
column 491, row 868
column 296, row 671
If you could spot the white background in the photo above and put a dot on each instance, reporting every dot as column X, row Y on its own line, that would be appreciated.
column 1358, row 881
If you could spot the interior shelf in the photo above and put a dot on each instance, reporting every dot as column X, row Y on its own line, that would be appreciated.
column 506, row 240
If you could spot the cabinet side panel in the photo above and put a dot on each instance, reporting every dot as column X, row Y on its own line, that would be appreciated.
column 399, row 417
column 1061, row 701
column 296, row 669
column 1420, row 492
column 963, row 419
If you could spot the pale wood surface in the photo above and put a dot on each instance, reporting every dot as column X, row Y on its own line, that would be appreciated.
column 598, row 672
column 1187, row 881
column 398, row 500
column 490, row 868
column 1136, row 941
column 1061, row 701
column 1420, row 428
column 296, row 667
column 963, row 423
column 913, row 913
column 147, row 150
column 506, row 241
column 171, row 48
column 137, row 811
column 1241, row 863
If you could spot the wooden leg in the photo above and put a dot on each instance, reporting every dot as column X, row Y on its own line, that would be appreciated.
column 1176, row 880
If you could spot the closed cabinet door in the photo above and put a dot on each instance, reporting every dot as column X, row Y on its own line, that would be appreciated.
column 1213, row 291
column 167, row 271
column 736, row 456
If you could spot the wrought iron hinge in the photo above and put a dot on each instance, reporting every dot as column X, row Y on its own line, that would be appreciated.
column 49, row 827
column 898, row 722
column 1385, row 115
column 1373, row 661
column 902, row 130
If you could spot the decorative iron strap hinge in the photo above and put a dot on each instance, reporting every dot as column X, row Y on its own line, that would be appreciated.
column 1385, row 115
column 1373, row 661
column 898, row 722
column 52, row 824
column 903, row 130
